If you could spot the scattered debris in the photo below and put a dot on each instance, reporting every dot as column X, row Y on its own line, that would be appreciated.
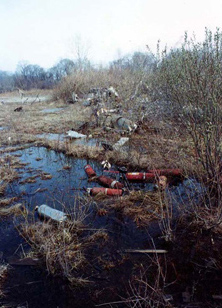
column 73, row 99
column 89, row 171
column 18, row 109
column 86, row 103
column 106, row 165
column 125, row 124
column 46, row 211
column 102, row 94
column 167, row 172
column 104, row 191
column 107, row 146
column 140, row 177
column 108, row 182
column 120, row 143
column 104, row 111
column 117, row 121
column 160, row 175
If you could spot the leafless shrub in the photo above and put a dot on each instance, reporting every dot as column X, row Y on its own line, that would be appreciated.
column 147, row 289
column 15, row 209
column 190, row 77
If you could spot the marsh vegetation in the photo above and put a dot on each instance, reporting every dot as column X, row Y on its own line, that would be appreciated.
column 150, row 247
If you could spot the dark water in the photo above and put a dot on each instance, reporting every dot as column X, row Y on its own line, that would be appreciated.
column 62, row 188
column 62, row 192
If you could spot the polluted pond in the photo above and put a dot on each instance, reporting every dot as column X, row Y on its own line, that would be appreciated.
column 100, row 241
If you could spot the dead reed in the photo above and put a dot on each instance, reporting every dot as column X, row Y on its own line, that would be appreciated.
column 15, row 209
column 64, row 247
column 3, row 276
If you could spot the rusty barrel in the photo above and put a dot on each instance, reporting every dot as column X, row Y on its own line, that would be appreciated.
column 140, row 177
column 108, row 182
column 105, row 191
column 167, row 172
column 89, row 171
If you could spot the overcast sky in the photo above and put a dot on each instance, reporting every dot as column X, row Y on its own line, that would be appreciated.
column 44, row 31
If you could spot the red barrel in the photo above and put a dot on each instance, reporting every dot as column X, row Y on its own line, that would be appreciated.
column 167, row 172
column 89, row 171
column 108, row 182
column 140, row 177
column 105, row 191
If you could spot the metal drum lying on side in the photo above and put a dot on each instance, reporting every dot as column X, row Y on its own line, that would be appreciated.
column 140, row 177
column 89, row 171
column 105, row 191
column 46, row 211
column 108, row 182
column 167, row 172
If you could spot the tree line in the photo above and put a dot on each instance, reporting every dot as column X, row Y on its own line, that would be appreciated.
column 28, row 76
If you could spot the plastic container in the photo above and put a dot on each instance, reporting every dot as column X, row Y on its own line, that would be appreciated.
column 46, row 211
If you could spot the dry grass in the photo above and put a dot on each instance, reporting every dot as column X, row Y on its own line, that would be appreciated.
column 15, row 209
column 147, row 148
column 64, row 247
column 32, row 92
column 8, row 173
column 31, row 179
column 7, row 201
column 3, row 276
column 2, row 189
column 46, row 176
column 141, row 206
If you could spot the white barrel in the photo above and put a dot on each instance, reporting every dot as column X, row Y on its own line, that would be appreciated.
column 50, row 213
